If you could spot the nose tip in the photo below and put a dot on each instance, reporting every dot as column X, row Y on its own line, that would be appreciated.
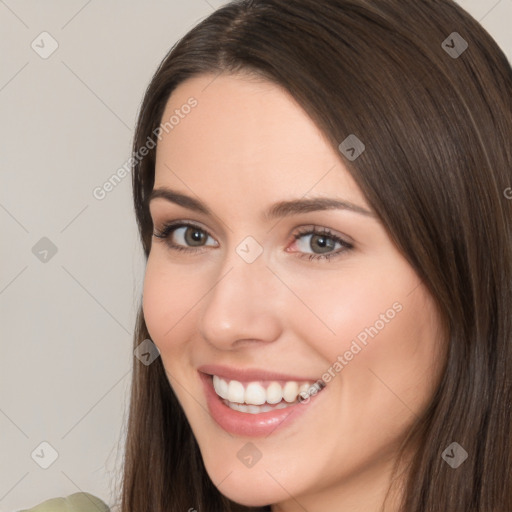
column 241, row 307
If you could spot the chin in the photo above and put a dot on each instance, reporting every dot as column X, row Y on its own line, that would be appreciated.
column 249, row 487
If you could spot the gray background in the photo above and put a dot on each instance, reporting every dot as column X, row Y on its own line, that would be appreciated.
column 67, row 318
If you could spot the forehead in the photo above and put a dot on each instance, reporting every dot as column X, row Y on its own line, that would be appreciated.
column 249, row 137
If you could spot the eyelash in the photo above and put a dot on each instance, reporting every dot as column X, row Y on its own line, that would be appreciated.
column 315, row 230
column 167, row 229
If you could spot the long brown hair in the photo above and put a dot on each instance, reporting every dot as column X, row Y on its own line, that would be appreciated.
column 436, row 119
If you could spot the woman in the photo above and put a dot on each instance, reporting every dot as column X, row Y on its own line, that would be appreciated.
column 321, row 193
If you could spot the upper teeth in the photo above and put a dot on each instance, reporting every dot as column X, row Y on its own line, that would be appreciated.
column 254, row 393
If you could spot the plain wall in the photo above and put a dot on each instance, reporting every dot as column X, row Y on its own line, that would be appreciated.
column 71, row 267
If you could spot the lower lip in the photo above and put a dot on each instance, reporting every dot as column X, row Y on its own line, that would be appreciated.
column 246, row 424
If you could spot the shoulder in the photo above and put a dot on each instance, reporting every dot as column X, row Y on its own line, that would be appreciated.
column 78, row 502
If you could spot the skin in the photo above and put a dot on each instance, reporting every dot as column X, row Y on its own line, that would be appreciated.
column 246, row 146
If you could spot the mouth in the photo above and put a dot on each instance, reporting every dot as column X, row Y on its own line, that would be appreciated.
column 254, row 407
column 258, row 397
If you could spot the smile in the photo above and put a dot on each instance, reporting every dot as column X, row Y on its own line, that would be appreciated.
column 258, row 407
column 236, row 393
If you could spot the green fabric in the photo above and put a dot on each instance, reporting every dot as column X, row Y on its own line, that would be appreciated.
column 79, row 502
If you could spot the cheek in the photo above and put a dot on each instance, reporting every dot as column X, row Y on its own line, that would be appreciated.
column 168, row 299
column 393, row 374
column 376, row 329
column 409, row 352
column 354, row 303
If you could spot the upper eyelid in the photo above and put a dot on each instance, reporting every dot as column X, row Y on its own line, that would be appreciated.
column 302, row 230
column 221, row 226
column 346, row 244
column 322, row 230
column 175, row 224
column 157, row 213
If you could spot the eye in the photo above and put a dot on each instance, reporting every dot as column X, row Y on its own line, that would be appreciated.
column 319, row 243
column 185, row 236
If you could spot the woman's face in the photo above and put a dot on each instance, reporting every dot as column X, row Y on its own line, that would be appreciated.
column 284, row 277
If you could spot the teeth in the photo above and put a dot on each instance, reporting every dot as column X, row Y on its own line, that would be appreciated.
column 221, row 387
column 254, row 409
column 304, row 388
column 254, row 394
column 290, row 391
column 236, row 392
column 274, row 393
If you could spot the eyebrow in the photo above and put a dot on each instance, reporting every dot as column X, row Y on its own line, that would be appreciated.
column 278, row 210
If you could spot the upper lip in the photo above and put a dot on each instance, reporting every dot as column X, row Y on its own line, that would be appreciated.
column 250, row 374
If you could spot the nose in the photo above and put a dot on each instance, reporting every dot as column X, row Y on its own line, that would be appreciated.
column 243, row 306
